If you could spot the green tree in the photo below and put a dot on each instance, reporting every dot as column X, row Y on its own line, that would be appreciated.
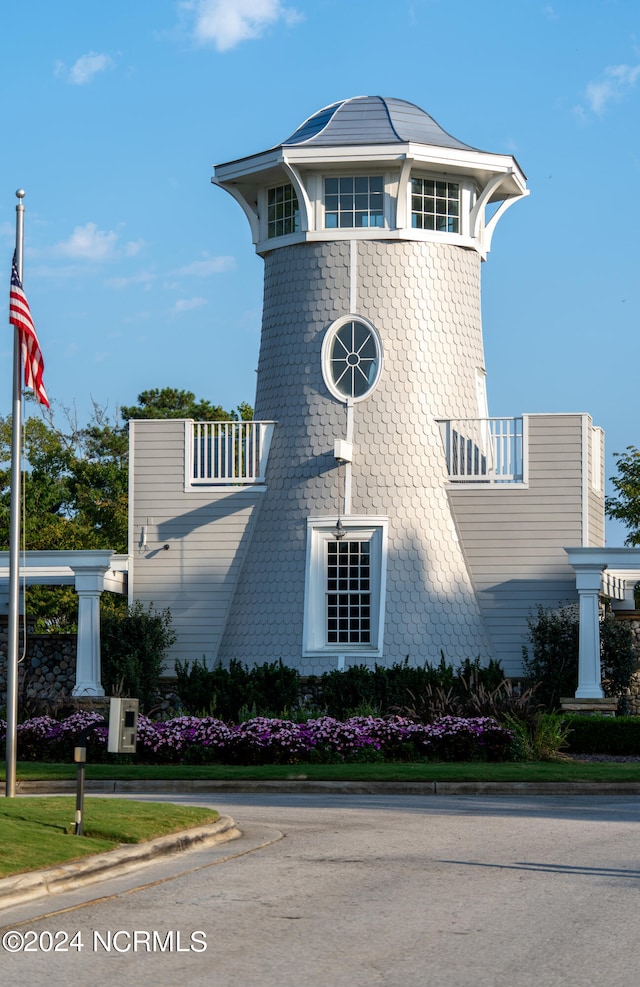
column 625, row 506
column 169, row 402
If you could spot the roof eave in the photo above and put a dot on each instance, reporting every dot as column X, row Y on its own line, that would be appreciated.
column 480, row 165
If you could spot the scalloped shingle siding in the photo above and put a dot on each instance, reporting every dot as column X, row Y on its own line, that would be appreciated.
column 424, row 300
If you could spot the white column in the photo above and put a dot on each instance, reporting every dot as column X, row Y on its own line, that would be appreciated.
column 588, row 579
column 88, row 587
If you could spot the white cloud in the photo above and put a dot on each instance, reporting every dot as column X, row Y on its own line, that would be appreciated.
column 133, row 247
column 145, row 278
column 188, row 304
column 85, row 68
column 89, row 243
column 203, row 268
column 618, row 81
column 226, row 23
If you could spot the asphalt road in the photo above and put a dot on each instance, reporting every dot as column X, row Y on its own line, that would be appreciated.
column 360, row 891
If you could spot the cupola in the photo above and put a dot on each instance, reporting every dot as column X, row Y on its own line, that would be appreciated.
column 372, row 167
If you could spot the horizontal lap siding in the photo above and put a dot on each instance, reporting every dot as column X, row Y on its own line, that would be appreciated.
column 207, row 530
column 514, row 537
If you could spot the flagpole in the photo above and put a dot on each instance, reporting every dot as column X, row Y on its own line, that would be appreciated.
column 14, row 532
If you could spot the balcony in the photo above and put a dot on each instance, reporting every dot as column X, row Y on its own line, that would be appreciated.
column 484, row 450
column 228, row 453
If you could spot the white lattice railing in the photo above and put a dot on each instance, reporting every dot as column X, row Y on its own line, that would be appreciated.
column 484, row 450
column 229, row 452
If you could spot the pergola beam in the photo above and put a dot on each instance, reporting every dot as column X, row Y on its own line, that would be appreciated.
column 90, row 573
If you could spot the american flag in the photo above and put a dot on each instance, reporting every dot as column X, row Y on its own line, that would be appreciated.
column 20, row 317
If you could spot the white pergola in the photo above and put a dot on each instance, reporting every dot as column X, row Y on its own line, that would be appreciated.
column 91, row 574
column 599, row 571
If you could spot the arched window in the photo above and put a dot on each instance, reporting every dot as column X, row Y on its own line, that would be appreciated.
column 351, row 358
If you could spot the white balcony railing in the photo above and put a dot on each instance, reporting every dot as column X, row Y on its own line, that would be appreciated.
column 484, row 450
column 229, row 452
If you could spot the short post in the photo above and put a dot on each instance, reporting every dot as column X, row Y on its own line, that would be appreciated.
column 80, row 758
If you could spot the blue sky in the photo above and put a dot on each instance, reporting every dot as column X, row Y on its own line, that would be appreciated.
column 141, row 274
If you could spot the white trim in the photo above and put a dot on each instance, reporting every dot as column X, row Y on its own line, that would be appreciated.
column 403, row 205
column 500, row 211
column 476, row 217
column 525, row 450
column 596, row 459
column 584, row 480
column 131, row 510
column 319, row 531
column 348, row 470
column 481, row 392
column 248, row 210
column 367, row 233
column 301, row 192
column 353, row 275
column 188, row 454
column 480, row 165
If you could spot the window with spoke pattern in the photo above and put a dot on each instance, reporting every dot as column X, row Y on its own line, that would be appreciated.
column 354, row 359
column 349, row 592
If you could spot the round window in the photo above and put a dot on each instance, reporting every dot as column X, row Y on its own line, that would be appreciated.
column 352, row 358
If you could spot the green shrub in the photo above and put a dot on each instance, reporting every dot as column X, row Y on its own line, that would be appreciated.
column 553, row 660
column 133, row 649
column 274, row 688
column 421, row 691
column 337, row 692
column 614, row 735
column 619, row 659
column 194, row 686
column 235, row 693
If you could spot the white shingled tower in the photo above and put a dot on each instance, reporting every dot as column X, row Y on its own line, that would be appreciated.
column 373, row 223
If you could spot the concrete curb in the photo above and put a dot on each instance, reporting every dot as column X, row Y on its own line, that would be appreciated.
column 21, row 888
column 301, row 786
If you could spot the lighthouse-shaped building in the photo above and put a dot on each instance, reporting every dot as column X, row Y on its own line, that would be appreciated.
column 373, row 511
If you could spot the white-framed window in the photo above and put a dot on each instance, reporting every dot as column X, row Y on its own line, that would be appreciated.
column 353, row 202
column 435, row 205
column 345, row 586
column 351, row 358
column 283, row 211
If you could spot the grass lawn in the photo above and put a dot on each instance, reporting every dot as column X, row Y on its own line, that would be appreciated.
column 38, row 832
column 562, row 771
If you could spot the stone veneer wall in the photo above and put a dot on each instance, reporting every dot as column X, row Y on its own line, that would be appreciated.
column 48, row 672
column 633, row 618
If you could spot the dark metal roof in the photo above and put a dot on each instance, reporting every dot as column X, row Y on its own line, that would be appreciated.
column 372, row 120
